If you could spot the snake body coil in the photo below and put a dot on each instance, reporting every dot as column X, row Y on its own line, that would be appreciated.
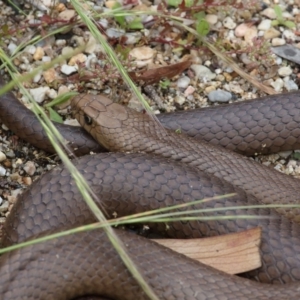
column 129, row 183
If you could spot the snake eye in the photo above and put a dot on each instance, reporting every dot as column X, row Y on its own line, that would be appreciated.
column 88, row 120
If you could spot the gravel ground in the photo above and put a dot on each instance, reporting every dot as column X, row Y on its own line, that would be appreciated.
column 244, row 32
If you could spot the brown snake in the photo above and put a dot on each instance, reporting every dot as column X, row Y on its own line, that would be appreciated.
column 127, row 183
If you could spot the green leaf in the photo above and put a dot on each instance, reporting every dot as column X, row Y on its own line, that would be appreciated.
column 135, row 24
column 189, row 3
column 54, row 116
column 289, row 24
column 296, row 155
column 174, row 3
column 61, row 99
column 278, row 12
column 275, row 23
column 119, row 19
column 202, row 27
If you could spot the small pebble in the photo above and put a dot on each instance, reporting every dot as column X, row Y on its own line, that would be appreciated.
column 77, row 59
column 39, row 94
column 288, row 34
column 285, row 71
column 270, row 13
column 219, row 96
column 277, row 84
column 183, row 82
column 10, row 154
column 264, row 25
column 290, row 85
column 4, row 206
column 203, row 72
column 229, row 23
column 68, row 70
column 211, row 19
column 271, row 33
column 2, row 171
column 179, row 100
column 250, row 35
column 2, row 156
column 278, row 42
column 39, row 53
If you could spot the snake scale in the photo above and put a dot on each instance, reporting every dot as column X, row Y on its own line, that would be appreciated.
column 170, row 168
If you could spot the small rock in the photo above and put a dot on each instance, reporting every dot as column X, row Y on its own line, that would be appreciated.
column 143, row 55
column 110, row 3
column 250, row 35
column 285, row 154
column 290, row 85
column 30, row 49
column 277, row 84
column 229, row 23
column 77, row 59
column 270, row 13
column 285, row 71
column 12, row 47
column 278, row 42
column 67, row 70
column 114, row 32
column 219, row 96
column 203, row 72
column 2, row 156
column 10, row 154
column 39, row 53
column 4, row 206
column 179, row 100
column 264, row 25
column 288, row 34
column 2, row 171
column 67, row 14
column 37, row 77
column 39, row 94
column 183, row 82
column 46, row 58
column 241, row 30
column 91, row 45
column 52, row 94
column 132, row 38
column 27, row 181
column 60, row 43
column 50, row 75
column 189, row 91
column 271, row 33
column 211, row 19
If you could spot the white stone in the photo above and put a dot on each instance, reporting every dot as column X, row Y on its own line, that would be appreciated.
column 270, row 13
column 241, row 29
column 67, row 14
column 2, row 171
column 12, row 47
column 271, row 33
column 250, row 35
column 229, row 23
column 277, row 84
column 179, row 100
column 288, row 34
column 203, row 72
column 29, row 168
column 2, row 156
column 278, row 42
column 67, row 70
column 264, row 25
column 285, row 71
column 39, row 94
column 211, row 19
column 183, row 82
